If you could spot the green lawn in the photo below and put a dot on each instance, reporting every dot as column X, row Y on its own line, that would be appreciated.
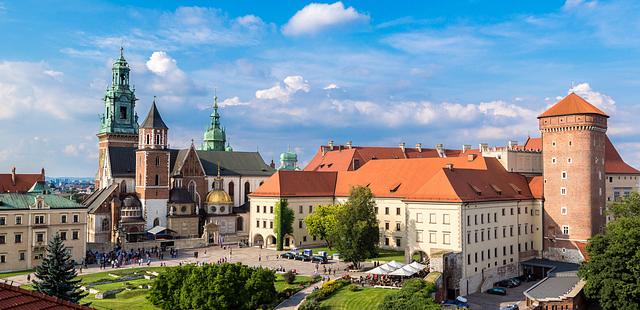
column 15, row 273
column 281, row 285
column 384, row 255
column 367, row 298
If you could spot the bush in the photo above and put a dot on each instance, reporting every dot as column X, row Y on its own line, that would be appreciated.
column 289, row 277
column 316, row 278
column 415, row 294
column 310, row 304
column 328, row 289
column 354, row 288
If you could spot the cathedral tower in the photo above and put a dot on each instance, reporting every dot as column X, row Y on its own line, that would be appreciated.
column 573, row 137
column 152, row 168
column 215, row 136
column 119, row 123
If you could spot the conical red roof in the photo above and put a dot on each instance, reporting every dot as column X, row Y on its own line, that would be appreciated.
column 572, row 104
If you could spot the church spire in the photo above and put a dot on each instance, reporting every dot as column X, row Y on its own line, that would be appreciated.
column 119, row 101
column 215, row 137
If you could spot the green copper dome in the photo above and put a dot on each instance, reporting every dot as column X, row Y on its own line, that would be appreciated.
column 119, row 102
column 288, row 161
column 288, row 156
column 215, row 136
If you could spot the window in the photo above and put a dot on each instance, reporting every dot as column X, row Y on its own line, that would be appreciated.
column 502, row 211
column 148, row 139
column 258, row 223
column 63, row 235
column 610, row 179
column 468, row 259
column 482, row 218
column 419, row 236
column 3, row 259
column 511, row 211
column 475, row 219
column 18, row 220
column 157, row 180
column 432, row 218
column 565, row 229
column 563, row 174
column 304, row 238
column 488, row 217
column 74, row 235
column 386, row 241
column 386, row 210
column 495, row 233
column 475, row 236
column 76, row 218
column 63, row 219
column 300, row 224
column 271, row 209
column 468, row 220
column 386, row 226
column 445, row 219
column 310, row 209
column 553, row 160
column 22, row 256
column 569, row 160
column 39, row 237
column 418, row 217
column 17, row 238
column 504, row 231
column 511, row 230
column 495, row 216
column 3, row 220
column 519, row 229
column 563, row 190
column 504, row 250
column 270, row 223
column 375, row 209
column 123, row 112
column 257, row 209
column 446, row 237
column 397, row 226
column 563, row 210
column 157, row 139
column 157, row 161
column 299, row 209
column 432, row 237
column 482, row 235
column 231, row 189
column 3, row 239
column 264, row 209
column 553, row 143
column 398, row 243
column 468, row 237
column 39, row 219
column 397, row 211
column 247, row 191
column 511, row 249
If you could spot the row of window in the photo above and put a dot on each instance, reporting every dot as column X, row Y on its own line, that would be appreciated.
column 17, row 237
column 387, row 225
column 39, row 219
column 446, row 237
column 495, row 215
column 527, row 228
column 3, row 257
column 480, row 258
column 446, row 219
column 387, row 211
column 388, row 243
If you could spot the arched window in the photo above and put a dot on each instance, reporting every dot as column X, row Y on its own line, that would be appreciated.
column 156, row 222
column 240, row 224
column 192, row 189
column 231, row 190
column 105, row 225
column 157, row 139
column 148, row 139
column 123, row 186
column 247, row 191
column 157, row 180
column 157, row 161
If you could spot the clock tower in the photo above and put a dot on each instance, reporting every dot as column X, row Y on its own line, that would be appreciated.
column 119, row 123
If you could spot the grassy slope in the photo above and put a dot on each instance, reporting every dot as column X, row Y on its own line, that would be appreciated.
column 367, row 298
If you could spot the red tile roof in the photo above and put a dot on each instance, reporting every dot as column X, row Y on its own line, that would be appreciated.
column 536, row 186
column 572, row 104
column 22, row 182
column 15, row 298
column 533, row 144
column 454, row 179
column 613, row 162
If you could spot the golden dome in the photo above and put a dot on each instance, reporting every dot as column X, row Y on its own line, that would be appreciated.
column 218, row 197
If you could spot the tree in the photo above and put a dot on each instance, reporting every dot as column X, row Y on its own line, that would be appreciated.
column 224, row 286
column 414, row 295
column 356, row 231
column 322, row 222
column 55, row 276
column 612, row 272
column 283, row 219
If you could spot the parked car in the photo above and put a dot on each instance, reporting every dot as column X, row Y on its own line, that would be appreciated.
column 319, row 259
column 307, row 258
column 515, row 281
column 497, row 291
column 505, row 283
column 460, row 303
column 288, row 255
column 511, row 307
column 299, row 257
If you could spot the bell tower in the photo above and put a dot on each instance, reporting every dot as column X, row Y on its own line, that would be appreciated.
column 573, row 139
column 215, row 136
column 152, row 168
column 119, row 122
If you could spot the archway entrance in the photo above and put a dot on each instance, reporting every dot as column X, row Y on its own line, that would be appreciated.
column 258, row 240
column 420, row 257
column 271, row 241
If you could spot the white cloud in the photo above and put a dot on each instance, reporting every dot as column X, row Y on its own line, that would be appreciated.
column 292, row 84
column 233, row 101
column 331, row 86
column 53, row 74
column 598, row 99
column 160, row 63
column 169, row 79
column 316, row 17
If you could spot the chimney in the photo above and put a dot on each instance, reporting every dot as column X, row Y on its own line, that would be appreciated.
column 440, row 150
column 419, row 147
column 471, row 157
column 273, row 164
column 42, row 173
column 449, row 166
column 330, row 145
column 483, row 147
column 349, row 144
column 512, row 144
column 13, row 175
column 402, row 146
column 466, row 147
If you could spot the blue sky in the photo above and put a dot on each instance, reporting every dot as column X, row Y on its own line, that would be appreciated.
column 292, row 73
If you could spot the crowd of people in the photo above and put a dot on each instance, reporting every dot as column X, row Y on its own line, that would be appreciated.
column 118, row 257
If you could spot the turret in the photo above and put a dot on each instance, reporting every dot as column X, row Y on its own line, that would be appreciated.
column 215, row 136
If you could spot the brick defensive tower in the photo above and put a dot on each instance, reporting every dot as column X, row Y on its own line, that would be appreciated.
column 573, row 137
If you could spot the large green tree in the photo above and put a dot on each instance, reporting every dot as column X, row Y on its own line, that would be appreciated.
column 322, row 222
column 356, row 233
column 56, row 275
column 612, row 272
column 283, row 220
column 224, row 286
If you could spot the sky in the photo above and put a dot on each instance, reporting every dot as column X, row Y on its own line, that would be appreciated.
column 294, row 74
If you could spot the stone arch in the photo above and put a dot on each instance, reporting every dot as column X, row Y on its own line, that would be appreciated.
column 289, row 241
column 271, row 241
column 239, row 223
column 247, row 191
column 231, row 190
column 123, row 186
column 420, row 257
column 258, row 240
column 156, row 222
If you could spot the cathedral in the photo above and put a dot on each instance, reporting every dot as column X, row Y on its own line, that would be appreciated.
column 147, row 190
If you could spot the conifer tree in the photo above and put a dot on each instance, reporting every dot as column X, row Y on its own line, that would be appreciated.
column 55, row 276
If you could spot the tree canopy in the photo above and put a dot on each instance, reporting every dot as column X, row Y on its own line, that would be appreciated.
column 414, row 295
column 55, row 276
column 612, row 272
column 322, row 222
column 283, row 220
column 356, row 233
column 224, row 286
